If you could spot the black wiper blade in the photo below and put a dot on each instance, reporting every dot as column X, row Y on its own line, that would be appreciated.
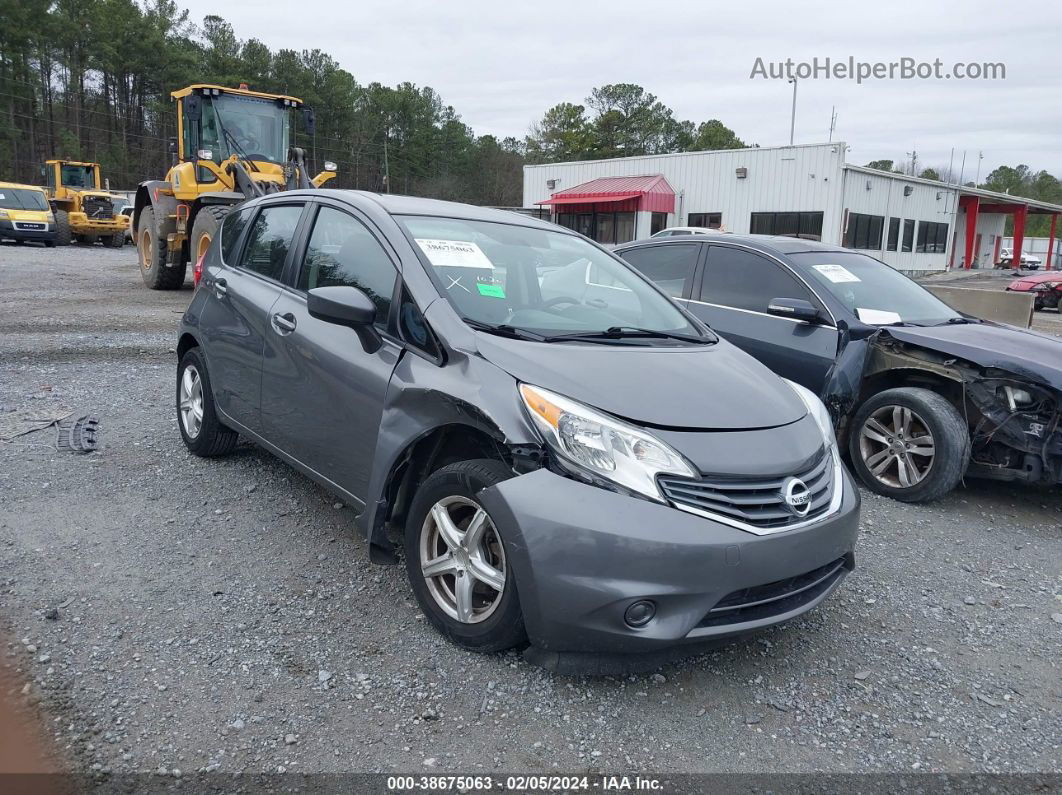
column 629, row 332
column 504, row 330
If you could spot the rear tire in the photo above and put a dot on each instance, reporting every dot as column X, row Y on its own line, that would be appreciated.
column 492, row 620
column 909, row 444
column 201, row 430
column 62, row 228
column 206, row 227
column 152, row 252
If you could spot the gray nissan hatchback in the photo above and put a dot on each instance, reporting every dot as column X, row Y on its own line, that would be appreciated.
column 576, row 475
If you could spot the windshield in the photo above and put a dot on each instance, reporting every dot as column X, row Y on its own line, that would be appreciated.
column 78, row 176
column 874, row 292
column 246, row 126
column 22, row 199
column 539, row 281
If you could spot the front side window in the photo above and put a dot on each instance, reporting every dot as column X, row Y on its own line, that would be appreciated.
column 670, row 266
column 343, row 252
column 22, row 199
column 270, row 239
column 871, row 290
column 231, row 229
column 742, row 279
column 538, row 280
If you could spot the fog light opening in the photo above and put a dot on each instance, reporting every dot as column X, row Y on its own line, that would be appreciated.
column 640, row 613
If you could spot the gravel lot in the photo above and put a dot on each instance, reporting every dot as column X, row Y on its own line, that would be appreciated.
column 172, row 614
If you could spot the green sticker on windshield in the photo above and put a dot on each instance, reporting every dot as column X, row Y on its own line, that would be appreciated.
column 493, row 290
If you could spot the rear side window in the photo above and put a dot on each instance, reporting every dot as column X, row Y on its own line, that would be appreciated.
column 744, row 280
column 231, row 229
column 669, row 266
column 269, row 240
column 343, row 252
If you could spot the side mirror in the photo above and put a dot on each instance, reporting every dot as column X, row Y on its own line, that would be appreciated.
column 346, row 306
column 309, row 120
column 794, row 308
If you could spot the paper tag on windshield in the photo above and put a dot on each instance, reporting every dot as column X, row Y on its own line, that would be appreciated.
column 454, row 253
column 878, row 317
column 836, row 273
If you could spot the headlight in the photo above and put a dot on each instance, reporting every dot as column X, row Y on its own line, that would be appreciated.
column 3, row 214
column 1016, row 398
column 330, row 166
column 601, row 445
column 818, row 411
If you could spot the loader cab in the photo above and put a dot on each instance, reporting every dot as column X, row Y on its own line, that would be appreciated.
column 63, row 176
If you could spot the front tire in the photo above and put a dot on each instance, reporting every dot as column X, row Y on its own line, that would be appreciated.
column 152, row 251
column 116, row 240
column 201, row 430
column 457, row 561
column 206, row 227
column 909, row 444
column 62, row 228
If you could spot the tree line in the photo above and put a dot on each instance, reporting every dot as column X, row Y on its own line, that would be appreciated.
column 1017, row 181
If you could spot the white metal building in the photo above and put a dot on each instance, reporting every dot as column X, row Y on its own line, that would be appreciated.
column 913, row 224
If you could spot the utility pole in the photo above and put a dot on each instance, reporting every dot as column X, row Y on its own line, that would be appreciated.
column 833, row 122
column 792, row 118
column 387, row 166
column 914, row 162
column 977, row 179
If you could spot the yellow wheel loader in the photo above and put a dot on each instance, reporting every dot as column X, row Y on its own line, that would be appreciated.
column 84, row 211
column 234, row 144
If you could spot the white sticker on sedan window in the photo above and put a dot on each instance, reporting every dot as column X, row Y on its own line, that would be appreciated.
column 454, row 253
column 878, row 317
column 836, row 273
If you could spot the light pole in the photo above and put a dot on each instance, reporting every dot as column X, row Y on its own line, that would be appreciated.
column 792, row 118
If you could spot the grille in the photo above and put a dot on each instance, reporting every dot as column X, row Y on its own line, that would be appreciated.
column 98, row 207
column 758, row 503
column 775, row 598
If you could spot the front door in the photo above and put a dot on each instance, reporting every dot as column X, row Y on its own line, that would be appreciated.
column 322, row 394
column 735, row 289
column 235, row 321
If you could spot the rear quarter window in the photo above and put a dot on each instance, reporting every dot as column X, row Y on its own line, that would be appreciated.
column 231, row 232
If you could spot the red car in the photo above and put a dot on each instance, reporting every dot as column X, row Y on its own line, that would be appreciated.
column 1046, row 286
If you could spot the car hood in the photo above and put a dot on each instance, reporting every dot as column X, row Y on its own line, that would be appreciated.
column 702, row 387
column 1023, row 353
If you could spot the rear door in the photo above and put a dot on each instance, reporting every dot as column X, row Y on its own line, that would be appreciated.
column 322, row 394
column 735, row 287
column 670, row 266
column 255, row 247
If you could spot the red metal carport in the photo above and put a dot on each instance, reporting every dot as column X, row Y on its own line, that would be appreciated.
column 974, row 203
column 650, row 193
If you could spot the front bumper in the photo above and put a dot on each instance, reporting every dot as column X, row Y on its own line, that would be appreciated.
column 581, row 555
column 81, row 224
column 17, row 230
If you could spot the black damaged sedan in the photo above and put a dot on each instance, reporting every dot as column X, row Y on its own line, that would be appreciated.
column 921, row 394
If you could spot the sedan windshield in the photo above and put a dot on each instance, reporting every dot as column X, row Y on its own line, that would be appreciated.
column 871, row 290
column 543, row 283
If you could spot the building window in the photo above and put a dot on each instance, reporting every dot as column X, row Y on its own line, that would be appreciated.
column 807, row 225
column 658, row 223
column 908, row 235
column 709, row 220
column 932, row 238
column 894, row 234
column 863, row 231
column 603, row 227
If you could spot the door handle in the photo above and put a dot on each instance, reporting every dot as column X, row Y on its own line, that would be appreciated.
column 283, row 324
column 221, row 288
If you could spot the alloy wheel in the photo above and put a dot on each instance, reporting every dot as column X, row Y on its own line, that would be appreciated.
column 191, row 401
column 897, row 446
column 462, row 560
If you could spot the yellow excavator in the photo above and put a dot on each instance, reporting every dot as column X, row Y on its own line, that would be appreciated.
column 233, row 144
column 84, row 212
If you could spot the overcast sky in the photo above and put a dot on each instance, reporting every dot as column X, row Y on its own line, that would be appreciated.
column 501, row 65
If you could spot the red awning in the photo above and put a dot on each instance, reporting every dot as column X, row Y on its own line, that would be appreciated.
column 651, row 193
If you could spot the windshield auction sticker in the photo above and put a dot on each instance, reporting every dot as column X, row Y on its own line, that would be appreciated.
column 878, row 317
column 836, row 273
column 454, row 253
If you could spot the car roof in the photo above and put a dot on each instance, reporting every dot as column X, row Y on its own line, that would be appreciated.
column 772, row 244
column 395, row 204
column 16, row 185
